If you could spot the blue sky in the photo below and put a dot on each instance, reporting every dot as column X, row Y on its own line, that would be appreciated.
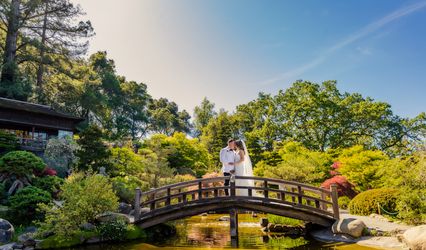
column 229, row 51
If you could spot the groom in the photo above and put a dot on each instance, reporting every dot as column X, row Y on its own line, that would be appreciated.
column 227, row 157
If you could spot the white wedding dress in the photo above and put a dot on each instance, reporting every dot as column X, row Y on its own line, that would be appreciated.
column 244, row 168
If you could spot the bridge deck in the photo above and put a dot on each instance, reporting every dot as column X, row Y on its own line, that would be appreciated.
column 286, row 198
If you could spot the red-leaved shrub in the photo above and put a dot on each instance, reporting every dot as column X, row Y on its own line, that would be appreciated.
column 49, row 172
column 344, row 187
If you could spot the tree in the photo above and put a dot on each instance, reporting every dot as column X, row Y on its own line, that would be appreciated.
column 217, row 132
column 297, row 164
column 364, row 168
column 156, row 163
column 93, row 152
column 202, row 115
column 165, row 117
column 59, row 34
column 256, row 120
column 36, row 30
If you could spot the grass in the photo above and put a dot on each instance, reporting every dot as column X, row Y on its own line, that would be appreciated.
column 284, row 220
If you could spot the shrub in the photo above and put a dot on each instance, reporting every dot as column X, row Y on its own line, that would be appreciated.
column 51, row 184
column 367, row 202
column 344, row 187
column 114, row 230
column 84, row 198
column 344, row 202
column 24, row 203
column 363, row 167
column 125, row 187
column 21, row 163
column 8, row 142
column 60, row 155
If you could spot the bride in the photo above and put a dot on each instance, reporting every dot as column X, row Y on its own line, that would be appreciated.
column 243, row 167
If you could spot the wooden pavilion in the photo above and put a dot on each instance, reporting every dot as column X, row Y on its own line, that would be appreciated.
column 34, row 124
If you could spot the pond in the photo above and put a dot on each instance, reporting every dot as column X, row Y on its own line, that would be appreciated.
column 206, row 232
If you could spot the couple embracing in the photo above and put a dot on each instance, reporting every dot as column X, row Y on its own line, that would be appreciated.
column 236, row 161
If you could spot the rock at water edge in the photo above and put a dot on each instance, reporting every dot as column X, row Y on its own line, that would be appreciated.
column 349, row 226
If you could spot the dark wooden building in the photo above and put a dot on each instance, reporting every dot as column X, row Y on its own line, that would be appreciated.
column 34, row 124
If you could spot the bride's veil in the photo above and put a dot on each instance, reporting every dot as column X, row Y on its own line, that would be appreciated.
column 248, row 167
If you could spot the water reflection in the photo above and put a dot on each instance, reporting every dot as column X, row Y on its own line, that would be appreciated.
column 207, row 232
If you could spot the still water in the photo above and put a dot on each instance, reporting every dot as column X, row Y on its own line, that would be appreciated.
column 207, row 232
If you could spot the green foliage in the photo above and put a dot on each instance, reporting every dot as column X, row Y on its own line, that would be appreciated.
column 125, row 187
column 115, row 230
column 124, row 161
column 59, row 241
column 8, row 142
column 409, row 176
column 135, row 232
column 3, row 191
column 60, row 154
column 24, row 203
column 51, row 184
column 84, row 198
column 176, row 179
column 166, row 117
column 364, row 168
column 21, row 164
column 217, row 132
column 256, row 119
column 344, row 202
column 187, row 156
column 93, row 152
column 202, row 115
column 368, row 202
column 296, row 164
column 276, row 219
column 156, row 163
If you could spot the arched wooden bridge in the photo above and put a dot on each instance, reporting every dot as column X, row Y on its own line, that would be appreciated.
column 279, row 197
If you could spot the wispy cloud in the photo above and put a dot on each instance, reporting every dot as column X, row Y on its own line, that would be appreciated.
column 365, row 31
column 364, row 51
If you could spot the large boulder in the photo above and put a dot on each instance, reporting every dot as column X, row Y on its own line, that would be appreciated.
column 415, row 237
column 124, row 208
column 349, row 226
column 110, row 216
column 6, row 231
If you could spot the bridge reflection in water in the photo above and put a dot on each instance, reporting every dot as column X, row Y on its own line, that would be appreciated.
column 273, row 196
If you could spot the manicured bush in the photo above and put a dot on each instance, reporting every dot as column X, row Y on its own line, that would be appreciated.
column 368, row 202
column 8, row 142
column 344, row 187
column 51, row 184
column 114, row 230
column 24, row 203
column 344, row 202
column 84, row 198
column 21, row 164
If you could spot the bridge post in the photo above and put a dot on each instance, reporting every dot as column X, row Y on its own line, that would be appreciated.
column 334, row 199
column 232, row 184
column 233, row 222
column 137, row 211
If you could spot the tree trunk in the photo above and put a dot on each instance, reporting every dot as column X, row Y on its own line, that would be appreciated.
column 40, row 71
column 9, row 70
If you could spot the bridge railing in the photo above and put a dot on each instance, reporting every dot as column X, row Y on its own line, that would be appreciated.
column 290, row 193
